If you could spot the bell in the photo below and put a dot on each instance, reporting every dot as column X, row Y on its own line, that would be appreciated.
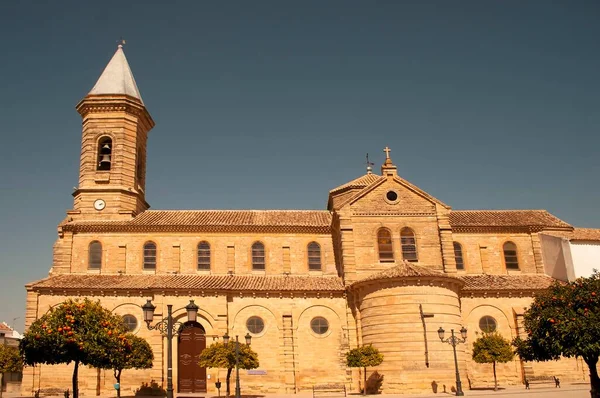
column 105, row 159
column 106, row 147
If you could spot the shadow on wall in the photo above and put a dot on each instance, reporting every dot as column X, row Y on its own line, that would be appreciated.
column 374, row 383
column 435, row 386
column 151, row 389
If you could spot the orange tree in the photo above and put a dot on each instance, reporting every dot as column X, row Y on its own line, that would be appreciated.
column 128, row 352
column 492, row 348
column 82, row 332
column 363, row 357
column 221, row 355
column 565, row 321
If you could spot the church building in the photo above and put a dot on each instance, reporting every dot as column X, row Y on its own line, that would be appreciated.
column 384, row 263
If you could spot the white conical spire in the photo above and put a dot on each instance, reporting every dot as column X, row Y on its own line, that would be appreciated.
column 117, row 78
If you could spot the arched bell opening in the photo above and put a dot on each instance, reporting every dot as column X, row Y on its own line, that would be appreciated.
column 104, row 154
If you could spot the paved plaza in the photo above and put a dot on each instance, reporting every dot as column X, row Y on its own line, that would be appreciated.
column 567, row 391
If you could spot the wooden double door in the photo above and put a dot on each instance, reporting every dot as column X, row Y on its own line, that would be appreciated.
column 191, row 378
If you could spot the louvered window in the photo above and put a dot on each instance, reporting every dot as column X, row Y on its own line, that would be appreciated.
column 258, row 256
column 409, row 245
column 203, row 256
column 314, row 256
column 150, row 255
column 511, row 259
column 384, row 245
column 95, row 255
column 458, row 256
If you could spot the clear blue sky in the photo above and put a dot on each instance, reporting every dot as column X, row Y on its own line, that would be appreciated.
column 270, row 104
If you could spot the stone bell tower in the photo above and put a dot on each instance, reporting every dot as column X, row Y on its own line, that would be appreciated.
column 112, row 169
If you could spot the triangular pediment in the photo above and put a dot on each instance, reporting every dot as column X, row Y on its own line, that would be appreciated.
column 409, row 198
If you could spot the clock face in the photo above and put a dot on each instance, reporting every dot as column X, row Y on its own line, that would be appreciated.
column 99, row 204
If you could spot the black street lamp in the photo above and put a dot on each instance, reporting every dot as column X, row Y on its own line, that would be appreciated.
column 167, row 328
column 454, row 341
column 237, row 359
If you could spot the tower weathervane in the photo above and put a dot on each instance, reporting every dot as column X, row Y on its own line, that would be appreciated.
column 121, row 42
column 387, row 152
column 369, row 164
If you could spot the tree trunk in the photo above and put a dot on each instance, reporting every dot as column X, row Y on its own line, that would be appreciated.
column 594, row 379
column 365, row 381
column 495, row 379
column 227, row 380
column 75, row 388
column 118, row 378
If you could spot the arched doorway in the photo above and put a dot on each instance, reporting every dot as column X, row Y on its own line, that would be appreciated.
column 191, row 378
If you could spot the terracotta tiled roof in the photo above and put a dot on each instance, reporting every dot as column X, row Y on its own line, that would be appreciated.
column 505, row 282
column 191, row 282
column 315, row 221
column 357, row 183
column 406, row 270
column 5, row 328
column 578, row 234
column 590, row 234
column 537, row 219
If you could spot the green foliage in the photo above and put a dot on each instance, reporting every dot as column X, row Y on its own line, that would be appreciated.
column 10, row 360
column 492, row 347
column 73, row 331
column 130, row 352
column 220, row 355
column 362, row 357
column 82, row 332
column 564, row 320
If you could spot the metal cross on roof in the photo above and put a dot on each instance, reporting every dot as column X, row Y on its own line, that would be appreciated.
column 369, row 164
column 387, row 152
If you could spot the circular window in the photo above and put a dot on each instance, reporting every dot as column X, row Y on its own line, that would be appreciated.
column 319, row 325
column 130, row 322
column 255, row 325
column 487, row 324
column 391, row 196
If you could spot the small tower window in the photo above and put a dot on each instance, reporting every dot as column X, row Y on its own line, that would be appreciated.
column 384, row 244
column 203, row 256
column 258, row 256
column 409, row 245
column 150, row 255
column 104, row 153
column 458, row 256
column 511, row 259
column 95, row 255
column 314, row 256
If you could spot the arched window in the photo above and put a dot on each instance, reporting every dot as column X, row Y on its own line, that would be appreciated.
column 95, row 255
column 510, row 256
column 104, row 153
column 314, row 256
column 150, row 255
column 409, row 245
column 384, row 245
column 258, row 256
column 458, row 256
column 203, row 255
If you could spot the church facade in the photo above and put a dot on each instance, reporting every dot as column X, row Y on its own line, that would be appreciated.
column 384, row 264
